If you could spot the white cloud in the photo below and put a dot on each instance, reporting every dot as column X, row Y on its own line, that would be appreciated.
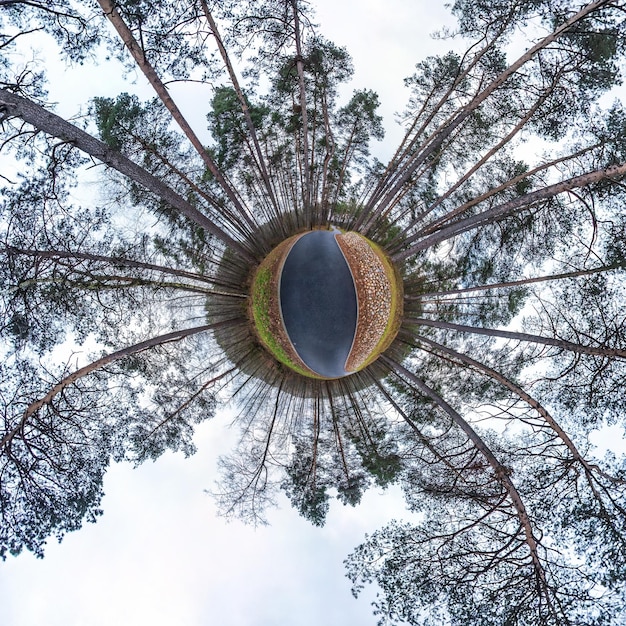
column 161, row 556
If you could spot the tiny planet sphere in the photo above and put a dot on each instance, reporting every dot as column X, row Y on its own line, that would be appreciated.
column 326, row 303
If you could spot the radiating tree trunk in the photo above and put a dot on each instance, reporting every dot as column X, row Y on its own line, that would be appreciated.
column 307, row 199
column 98, row 364
column 511, row 207
column 138, row 54
column 513, row 387
column 433, row 227
column 118, row 262
column 56, row 126
column 569, row 346
column 499, row 470
column 438, row 138
column 518, row 283
column 393, row 169
column 244, row 106
column 226, row 213
column 491, row 152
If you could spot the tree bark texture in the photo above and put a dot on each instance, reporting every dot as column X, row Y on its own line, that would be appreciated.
column 56, row 126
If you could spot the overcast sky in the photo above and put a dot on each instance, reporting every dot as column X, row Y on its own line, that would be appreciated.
column 160, row 555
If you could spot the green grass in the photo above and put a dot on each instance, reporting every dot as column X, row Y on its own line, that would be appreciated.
column 261, row 298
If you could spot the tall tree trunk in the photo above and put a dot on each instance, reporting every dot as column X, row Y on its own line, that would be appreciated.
column 115, row 262
column 303, row 110
column 519, row 283
column 230, row 215
column 57, row 127
column 503, row 142
column 85, row 281
column 413, row 426
column 509, row 208
column 413, row 134
column 499, row 470
column 138, row 54
column 509, row 184
column 570, row 346
column 511, row 386
column 34, row 407
column 244, row 106
column 442, row 134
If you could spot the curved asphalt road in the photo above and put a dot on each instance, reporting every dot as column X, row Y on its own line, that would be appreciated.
column 318, row 303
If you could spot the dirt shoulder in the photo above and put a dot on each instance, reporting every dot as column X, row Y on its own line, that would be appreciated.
column 379, row 301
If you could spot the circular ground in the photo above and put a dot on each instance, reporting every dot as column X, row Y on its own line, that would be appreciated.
column 326, row 303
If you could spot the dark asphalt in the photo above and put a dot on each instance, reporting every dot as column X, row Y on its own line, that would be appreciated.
column 318, row 303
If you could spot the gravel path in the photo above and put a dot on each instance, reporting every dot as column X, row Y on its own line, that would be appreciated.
column 373, row 290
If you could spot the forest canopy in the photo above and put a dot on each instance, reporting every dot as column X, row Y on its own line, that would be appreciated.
column 500, row 214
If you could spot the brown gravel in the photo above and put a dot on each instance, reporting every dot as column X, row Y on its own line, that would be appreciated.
column 373, row 291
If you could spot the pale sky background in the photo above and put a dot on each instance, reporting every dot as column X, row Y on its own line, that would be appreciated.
column 160, row 555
